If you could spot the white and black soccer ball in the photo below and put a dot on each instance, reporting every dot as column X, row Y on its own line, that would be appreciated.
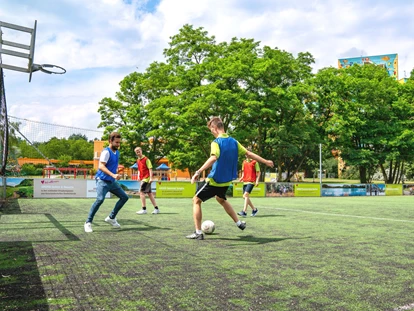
column 208, row 227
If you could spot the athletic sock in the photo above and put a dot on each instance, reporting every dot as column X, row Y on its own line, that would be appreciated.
column 156, row 207
column 238, row 223
column 144, row 208
column 199, row 231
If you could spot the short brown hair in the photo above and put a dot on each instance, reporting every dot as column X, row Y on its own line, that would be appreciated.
column 215, row 121
column 114, row 135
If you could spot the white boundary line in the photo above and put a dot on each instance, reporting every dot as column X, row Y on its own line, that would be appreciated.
column 345, row 215
column 406, row 307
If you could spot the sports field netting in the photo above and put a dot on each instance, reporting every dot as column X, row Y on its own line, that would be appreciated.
column 4, row 132
column 37, row 131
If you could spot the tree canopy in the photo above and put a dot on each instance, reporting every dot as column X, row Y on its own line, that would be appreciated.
column 269, row 100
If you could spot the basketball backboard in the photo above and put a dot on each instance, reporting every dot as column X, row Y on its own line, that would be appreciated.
column 24, row 51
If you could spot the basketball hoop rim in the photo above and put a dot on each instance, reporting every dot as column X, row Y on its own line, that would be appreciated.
column 43, row 68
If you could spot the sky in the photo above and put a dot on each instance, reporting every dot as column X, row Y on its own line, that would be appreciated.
column 99, row 42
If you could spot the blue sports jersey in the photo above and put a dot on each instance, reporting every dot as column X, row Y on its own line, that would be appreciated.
column 225, row 168
column 111, row 165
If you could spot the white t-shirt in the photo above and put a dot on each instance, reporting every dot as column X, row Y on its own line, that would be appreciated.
column 105, row 156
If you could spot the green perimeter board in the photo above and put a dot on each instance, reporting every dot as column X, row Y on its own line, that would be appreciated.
column 168, row 189
column 258, row 191
column 393, row 189
column 307, row 190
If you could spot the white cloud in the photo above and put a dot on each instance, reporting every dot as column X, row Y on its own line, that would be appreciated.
column 99, row 42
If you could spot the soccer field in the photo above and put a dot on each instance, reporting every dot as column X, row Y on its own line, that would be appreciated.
column 342, row 253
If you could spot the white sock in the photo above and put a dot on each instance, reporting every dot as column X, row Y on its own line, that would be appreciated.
column 238, row 223
column 199, row 231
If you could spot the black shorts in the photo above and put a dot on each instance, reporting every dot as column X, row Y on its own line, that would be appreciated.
column 145, row 187
column 205, row 192
column 248, row 188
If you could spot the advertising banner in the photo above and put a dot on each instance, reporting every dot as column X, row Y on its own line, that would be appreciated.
column 258, row 191
column 343, row 190
column 175, row 189
column 375, row 189
column 91, row 189
column 408, row 189
column 388, row 61
column 307, row 190
column 59, row 188
column 280, row 189
column 393, row 189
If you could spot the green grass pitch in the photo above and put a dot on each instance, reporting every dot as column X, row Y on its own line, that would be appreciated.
column 342, row 253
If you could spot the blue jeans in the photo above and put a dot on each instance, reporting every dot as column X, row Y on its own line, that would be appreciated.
column 102, row 188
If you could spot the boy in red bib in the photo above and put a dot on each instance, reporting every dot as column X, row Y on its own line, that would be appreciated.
column 145, row 175
column 250, row 178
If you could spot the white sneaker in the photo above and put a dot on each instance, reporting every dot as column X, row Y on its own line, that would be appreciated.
column 156, row 211
column 113, row 222
column 141, row 212
column 88, row 227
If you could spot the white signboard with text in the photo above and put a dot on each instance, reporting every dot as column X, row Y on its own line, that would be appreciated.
column 59, row 188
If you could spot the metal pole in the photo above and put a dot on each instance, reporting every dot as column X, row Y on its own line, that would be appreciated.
column 320, row 164
column 4, row 181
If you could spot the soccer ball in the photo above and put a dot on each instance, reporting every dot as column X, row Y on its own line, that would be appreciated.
column 208, row 227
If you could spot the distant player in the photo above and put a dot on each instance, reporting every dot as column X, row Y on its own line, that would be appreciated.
column 106, row 181
column 223, row 159
column 250, row 178
column 145, row 175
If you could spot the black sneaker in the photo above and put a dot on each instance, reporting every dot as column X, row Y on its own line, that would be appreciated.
column 242, row 226
column 254, row 212
column 242, row 213
column 195, row 236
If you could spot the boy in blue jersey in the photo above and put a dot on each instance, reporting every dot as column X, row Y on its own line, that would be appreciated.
column 224, row 154
column 106, row 181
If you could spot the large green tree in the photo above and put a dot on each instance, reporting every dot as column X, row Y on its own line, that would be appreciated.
column 360, row 110
column 260, row 94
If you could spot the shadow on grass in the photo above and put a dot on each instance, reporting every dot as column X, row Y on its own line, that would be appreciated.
column 21, row 288
column 268, row 216
column 138, row 229
column 62, row 228
column 259, row 240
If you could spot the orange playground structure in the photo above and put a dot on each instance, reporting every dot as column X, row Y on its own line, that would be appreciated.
column 98, row 146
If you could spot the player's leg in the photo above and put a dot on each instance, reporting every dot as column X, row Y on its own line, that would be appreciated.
column 123, row 198
column 250, row 203
column 101, row 191
column 197, row 217
column 204, row 192
column 254, row 209
column 221, row 199
column 152, row 199
column 143, row 199
column 246, row 191
column 197, row 213
column 243, row 211
column 228, row 208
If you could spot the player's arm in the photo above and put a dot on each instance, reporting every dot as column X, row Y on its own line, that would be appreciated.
column 257, row 168
column 210, row 161
column 138, row 175
column 259, row 158
column 149, row 165
column 242, row 175
column 103, row 168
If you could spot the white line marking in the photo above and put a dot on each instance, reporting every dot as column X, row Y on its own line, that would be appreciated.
column 406, row 307
column 344, row 215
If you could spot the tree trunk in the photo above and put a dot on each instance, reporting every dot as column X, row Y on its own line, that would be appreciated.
column 384, row 173
column 363, row 174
